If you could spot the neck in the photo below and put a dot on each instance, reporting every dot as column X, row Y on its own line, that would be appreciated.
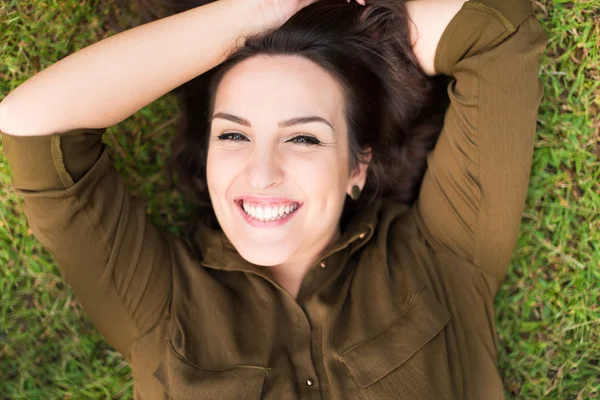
column 291, row 273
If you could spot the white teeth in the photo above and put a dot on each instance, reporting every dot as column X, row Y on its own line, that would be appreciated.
column 269, row 213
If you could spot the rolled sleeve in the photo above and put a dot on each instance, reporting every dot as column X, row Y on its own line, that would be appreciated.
column 477, row 27
column 52, row 162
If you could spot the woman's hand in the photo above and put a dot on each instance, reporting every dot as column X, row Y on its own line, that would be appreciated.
column 277, row 12
column 429, row 19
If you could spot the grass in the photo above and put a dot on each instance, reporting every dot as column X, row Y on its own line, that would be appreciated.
column 548, row 311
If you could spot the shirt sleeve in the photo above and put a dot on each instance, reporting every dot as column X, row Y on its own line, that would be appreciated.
column 474, row 190
column 77, row 206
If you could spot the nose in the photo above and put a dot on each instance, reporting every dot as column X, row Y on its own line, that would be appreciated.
column 264, row 169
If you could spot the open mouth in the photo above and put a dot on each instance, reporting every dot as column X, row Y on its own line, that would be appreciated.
column 268, row 212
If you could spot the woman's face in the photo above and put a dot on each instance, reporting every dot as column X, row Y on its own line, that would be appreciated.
column 277, row 165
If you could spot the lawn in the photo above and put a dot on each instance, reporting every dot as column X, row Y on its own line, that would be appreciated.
column 548, row 311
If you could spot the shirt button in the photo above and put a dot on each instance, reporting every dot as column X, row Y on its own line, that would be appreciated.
column 323, row 265
column 309, row 382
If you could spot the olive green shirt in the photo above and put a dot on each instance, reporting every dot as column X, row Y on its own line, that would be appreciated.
column 400, row 308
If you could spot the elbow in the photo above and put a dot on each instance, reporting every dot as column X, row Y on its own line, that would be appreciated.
column 17, row 120
column 9, row 118
column 3, row 116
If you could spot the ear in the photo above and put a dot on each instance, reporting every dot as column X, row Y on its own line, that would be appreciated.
column 358, row 176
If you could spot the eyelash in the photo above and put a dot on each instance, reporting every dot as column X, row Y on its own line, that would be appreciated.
column 309, row 140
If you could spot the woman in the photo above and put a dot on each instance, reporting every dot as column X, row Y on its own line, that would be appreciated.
column 290, row 295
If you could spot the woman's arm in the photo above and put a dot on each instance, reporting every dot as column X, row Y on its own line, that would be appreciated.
column 429, row 20
column 474, row 190
column 108, row 81
column 78, row 207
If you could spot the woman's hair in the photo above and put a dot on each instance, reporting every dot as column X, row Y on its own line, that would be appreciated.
column 391, row 105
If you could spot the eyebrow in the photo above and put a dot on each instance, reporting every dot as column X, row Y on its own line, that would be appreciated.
column 282, row 124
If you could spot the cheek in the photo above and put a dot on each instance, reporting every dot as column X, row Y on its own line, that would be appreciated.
column 221, row 169
column 321, row 174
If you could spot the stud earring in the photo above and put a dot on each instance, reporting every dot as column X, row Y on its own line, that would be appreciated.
column 355, row 193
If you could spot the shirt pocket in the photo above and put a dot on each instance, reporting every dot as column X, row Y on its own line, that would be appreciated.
column 408, row 360
column 183, row 379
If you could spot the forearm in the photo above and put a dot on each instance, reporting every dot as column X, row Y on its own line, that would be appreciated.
column 108, row 81
column 429, row 20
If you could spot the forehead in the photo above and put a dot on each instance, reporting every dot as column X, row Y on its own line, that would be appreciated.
column 277, row 87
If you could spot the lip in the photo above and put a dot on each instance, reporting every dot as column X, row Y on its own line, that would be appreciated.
column 271, row 200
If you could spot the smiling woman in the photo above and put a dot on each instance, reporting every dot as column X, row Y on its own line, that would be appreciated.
column 326, row 262
column 271, row 162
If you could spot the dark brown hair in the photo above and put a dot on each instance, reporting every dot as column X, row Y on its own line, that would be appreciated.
column 392, row 106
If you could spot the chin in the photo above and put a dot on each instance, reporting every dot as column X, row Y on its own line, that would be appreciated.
column 265, row 256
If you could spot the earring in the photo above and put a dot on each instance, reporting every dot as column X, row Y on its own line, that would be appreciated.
column 355, row 193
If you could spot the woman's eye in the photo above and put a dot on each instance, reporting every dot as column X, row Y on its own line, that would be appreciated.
column 233, row 137
column 305, row 140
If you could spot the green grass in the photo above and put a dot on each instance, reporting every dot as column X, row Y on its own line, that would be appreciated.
column 548, row 311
